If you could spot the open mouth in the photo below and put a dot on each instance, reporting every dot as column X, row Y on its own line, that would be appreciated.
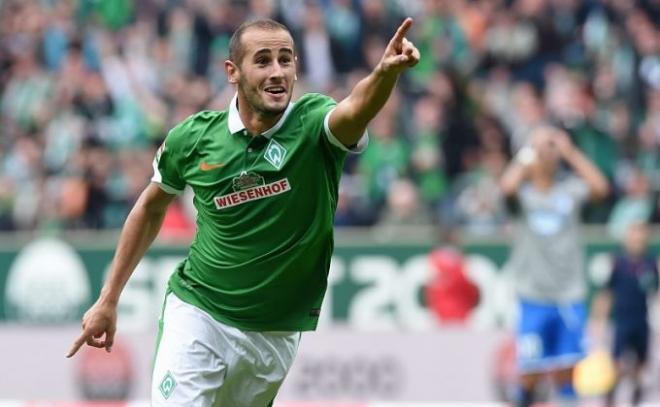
column 275, row 90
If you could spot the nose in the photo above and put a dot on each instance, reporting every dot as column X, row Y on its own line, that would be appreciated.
column 277, row 71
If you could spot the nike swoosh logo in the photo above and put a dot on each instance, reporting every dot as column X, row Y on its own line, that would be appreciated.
column 208, row 167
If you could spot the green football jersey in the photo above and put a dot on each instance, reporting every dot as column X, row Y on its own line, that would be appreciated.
column 265, row 209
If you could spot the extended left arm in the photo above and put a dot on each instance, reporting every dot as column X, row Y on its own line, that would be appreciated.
column 350, row 118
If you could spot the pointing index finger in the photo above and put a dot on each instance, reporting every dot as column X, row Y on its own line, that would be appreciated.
column 402, row 30
column 76, row 345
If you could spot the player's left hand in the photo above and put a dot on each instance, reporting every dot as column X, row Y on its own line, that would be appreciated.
column 400, row 53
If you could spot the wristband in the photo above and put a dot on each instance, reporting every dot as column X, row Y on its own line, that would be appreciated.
column 526, row 155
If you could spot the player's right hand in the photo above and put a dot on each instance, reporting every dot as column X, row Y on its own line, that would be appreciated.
column 98, row 328
column 400, row 53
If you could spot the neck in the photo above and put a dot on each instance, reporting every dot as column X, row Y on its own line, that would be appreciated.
column 255, row 122
column 542, row 182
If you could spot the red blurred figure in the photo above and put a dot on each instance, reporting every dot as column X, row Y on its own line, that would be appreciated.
column 103, row 376
column 176, row 224
column 450, row 294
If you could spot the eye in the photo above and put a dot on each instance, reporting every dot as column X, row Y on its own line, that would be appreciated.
column 285, row 60
column 262, row 61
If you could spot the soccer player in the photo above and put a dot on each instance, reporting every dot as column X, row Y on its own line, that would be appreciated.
column 632, row 283
column 547, row 258
column 265, row 174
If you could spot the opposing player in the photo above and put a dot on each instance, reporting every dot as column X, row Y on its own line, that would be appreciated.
column 265, row 174
column 547, row 258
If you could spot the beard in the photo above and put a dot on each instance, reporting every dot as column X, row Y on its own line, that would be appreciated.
column 257, row 102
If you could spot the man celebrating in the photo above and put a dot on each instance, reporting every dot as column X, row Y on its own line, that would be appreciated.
column 265, row 174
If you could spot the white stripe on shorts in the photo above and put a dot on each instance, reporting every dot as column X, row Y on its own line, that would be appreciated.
column 203, row 362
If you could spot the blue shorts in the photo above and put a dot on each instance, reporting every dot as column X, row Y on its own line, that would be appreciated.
column 550, row 336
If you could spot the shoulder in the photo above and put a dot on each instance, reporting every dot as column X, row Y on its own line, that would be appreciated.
column 188, row 131
column 310, row 102
column 194, row 122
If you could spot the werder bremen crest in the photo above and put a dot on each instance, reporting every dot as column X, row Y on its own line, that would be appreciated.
column 167, row 385
column 275, row 154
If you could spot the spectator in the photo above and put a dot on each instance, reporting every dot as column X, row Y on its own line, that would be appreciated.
column 315, row 50
column 124, row 73
column 634, row 207
column 427, row 159
column 387, row 157
column 403, row 208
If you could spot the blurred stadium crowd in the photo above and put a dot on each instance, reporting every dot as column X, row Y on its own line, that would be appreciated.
column 89, row 89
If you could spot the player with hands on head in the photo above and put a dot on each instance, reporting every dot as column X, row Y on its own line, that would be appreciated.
column 547, row 259
column 265, row 174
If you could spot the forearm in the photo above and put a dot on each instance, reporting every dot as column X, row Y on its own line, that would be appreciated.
column 601, row 306
column 370, row 95
column 140, row 230
column 597, row 182
column 350, row 118
column 513, row 177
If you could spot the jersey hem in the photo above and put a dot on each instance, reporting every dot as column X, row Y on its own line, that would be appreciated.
column 167, row 188
column 242, row 326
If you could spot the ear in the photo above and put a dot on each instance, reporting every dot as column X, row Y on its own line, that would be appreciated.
column 232, row 71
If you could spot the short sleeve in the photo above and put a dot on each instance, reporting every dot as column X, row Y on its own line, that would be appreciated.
column 359, row 147
column 318, row 108
column 167, row 169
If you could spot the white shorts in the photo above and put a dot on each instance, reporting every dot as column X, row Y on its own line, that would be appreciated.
column 202, row 362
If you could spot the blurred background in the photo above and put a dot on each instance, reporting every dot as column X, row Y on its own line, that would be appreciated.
column 418, row 308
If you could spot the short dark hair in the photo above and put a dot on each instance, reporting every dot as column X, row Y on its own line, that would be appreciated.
column 235, row 45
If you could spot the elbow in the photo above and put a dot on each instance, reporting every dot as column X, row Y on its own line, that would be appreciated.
column 507, row 192
column 153, row 202
column 600, row 191
column 507, row 188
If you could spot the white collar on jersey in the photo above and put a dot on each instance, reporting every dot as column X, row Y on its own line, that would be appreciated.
column 235, row 123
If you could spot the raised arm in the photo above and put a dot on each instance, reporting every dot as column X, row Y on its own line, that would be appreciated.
column 349, row 119
column 141, row 227
column 517, row 170
column 598, row 185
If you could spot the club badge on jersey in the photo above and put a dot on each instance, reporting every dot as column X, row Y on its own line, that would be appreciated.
column 275, row 154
